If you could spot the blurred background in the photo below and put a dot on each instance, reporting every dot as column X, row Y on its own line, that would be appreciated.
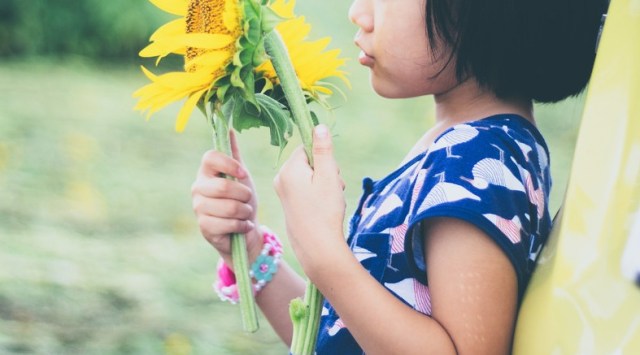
column 99, row 249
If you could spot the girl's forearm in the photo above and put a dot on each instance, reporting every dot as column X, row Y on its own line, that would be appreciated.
column 380, row 323
column 274, row 300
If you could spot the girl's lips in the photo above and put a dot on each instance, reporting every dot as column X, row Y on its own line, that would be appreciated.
column 366, row 59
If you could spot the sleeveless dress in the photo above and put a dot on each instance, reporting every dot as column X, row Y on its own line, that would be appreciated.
column 492, row 173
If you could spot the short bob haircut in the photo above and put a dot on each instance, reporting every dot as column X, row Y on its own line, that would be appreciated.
column 542, row 50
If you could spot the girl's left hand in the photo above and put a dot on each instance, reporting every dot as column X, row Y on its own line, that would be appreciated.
column 313, row 202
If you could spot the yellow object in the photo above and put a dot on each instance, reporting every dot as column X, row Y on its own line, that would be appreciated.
column 208, row 33
column 584, row 297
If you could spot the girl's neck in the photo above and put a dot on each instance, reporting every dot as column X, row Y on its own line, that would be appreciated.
column 467, row 101
column 464, row 103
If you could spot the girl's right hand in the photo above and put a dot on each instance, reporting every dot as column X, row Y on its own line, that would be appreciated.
column 224, row 206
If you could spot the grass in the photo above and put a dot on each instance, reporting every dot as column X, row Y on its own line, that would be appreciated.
column 100, row 251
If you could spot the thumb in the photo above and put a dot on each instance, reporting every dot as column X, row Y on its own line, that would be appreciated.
column 323, row 151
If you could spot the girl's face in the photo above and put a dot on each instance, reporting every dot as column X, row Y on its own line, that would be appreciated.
column 395, row 46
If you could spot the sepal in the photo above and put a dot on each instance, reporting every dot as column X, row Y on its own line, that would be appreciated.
column 270, row 19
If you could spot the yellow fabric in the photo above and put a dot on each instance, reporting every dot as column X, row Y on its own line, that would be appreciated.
column 579, row 301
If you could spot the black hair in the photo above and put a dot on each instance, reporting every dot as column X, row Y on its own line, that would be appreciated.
column 541, row 50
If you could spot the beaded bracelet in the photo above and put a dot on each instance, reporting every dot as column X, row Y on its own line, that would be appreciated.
column 262, row 270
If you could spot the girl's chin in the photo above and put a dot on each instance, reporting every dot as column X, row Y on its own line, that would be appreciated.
column 388, row 90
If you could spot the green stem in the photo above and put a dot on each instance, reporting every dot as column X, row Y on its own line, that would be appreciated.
column 304, row 336
column 238, row 241
column 299, row 313
column 277, row 50
column 313, row 319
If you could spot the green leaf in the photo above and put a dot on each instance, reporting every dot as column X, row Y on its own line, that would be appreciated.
column 236, row 79
column 270, row 19
column 248, row 77
column 246, row 56
column 268, row 113
column 267, row 85
column 260, row 54
column 223, row 81
column 221, row 92
column 245, row 116
column 255, row 5
column 253, row 30
column 278, row 118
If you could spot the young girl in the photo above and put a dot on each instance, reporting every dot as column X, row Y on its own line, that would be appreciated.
column 440, row 251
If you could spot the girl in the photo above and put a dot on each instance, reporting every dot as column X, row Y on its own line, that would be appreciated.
column 440, row 251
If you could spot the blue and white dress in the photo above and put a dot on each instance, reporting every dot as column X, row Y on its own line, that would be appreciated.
column 492, row 173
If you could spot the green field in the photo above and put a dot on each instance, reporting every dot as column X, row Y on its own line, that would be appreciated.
column 100, row 252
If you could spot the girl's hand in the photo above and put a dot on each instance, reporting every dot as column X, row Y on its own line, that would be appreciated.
column 313, row 201
column 224, row 206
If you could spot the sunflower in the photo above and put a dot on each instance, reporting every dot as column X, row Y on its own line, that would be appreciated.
column 310, row 60
column 223, row 48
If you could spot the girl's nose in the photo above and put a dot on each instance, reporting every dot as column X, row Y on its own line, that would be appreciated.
column 361, row 14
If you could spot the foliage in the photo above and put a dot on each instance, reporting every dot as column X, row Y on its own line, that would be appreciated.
column 102, row 30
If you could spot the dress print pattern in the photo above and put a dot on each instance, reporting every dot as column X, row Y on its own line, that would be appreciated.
column 492, row 173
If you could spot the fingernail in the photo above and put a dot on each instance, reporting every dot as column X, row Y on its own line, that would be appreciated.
column 251, row 225
column 321, row 131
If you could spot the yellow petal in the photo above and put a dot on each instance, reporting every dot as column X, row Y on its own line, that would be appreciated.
column 321, row 89
column 176, row 7
column 169, row 29
column 164, row 46
column 187, row 109
column 283, row 8
column 207, row 40
column 293, row 31
column 230, row 16
column 148, row 73
column 182, row 80
column 157, row 103
column 214, row 60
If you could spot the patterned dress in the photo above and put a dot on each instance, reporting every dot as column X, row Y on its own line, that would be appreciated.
column 492, row 173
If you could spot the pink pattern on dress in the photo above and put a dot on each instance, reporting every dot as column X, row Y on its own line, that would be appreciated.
column 422, row 174
column 339, row 324
column 536, row 197
column 510, row 228
column 423, row 297
column 398, row 236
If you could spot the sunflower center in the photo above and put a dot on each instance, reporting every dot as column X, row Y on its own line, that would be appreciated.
column 208, row 16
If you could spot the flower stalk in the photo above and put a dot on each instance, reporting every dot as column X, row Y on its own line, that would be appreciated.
column 306, row 315
column 239, row 253
column 228, row 76
column 300, row 113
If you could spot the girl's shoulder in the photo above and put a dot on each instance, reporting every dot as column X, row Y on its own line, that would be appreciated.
column 502, row 128
column 507, row 137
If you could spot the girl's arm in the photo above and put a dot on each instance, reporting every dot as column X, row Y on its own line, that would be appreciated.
column 275, row 297
column 473, row 285
column 224, row 206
